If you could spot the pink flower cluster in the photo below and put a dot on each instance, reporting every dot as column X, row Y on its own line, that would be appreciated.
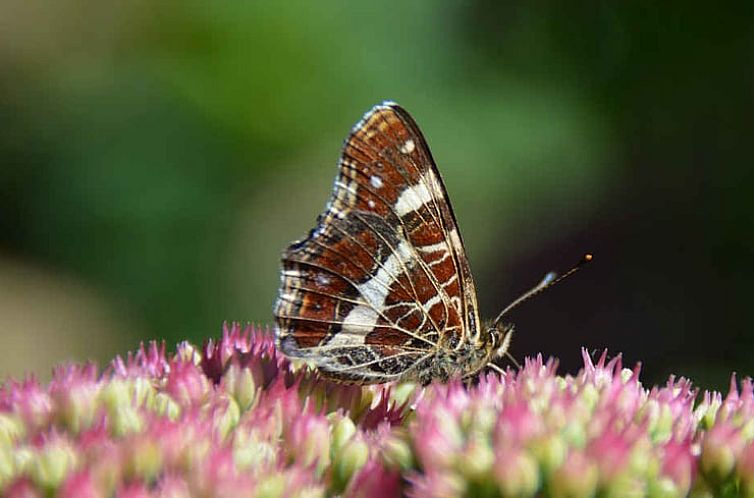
column 235, row 418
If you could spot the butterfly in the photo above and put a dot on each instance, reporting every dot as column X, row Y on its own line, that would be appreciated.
column 381, row 289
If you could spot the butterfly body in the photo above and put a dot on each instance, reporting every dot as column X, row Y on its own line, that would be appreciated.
column 381, row 288
column 465, row 359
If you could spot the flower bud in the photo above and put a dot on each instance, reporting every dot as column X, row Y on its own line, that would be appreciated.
column 374, row 480
column 187, row 384
column 440, row 484
column 577, row 477
column 125, row 420
column 11, row 430
column 173, row 487
column 309, row 441
column 476, row 459
column 343, row 430
column 679, row 465
column 271, row 486
column 226, row 416
column 163, row 405
column 550, row 452
column 348, row 461
column 22, row 488
column 33, row 404
column 77, row 405
column 516, row 473
column 52, row 464
column 239, row 383
column 720, row 448
column 143, row 459
column 745, row 470
column 397, row 453
column 80, row 485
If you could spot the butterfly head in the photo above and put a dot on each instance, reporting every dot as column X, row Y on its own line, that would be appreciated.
column 498, row 340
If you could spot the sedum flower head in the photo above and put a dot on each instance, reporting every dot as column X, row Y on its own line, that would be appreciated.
column 235, row 418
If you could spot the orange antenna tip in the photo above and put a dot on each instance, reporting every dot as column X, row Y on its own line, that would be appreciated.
column 547, row 282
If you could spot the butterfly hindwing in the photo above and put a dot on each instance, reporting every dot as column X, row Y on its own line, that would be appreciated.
column 382, row 281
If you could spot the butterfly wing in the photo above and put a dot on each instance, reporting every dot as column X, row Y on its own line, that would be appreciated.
column 383, row 280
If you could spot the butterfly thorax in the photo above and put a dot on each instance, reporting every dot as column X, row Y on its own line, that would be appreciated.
column 467, row 357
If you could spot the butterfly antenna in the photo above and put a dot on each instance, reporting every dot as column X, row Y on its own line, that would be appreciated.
column 550, row 279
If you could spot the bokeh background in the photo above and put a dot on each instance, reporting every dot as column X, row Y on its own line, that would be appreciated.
column 157, row 156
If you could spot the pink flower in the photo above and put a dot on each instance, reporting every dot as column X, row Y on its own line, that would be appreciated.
column 745, row 469
column 79, row 485
column 235, row 418
column 30, row 401
column 435, row 484
column 517, row 425
column 149, row 361
column 308, row 442
column 678, row 463
column 721, row 447
column 375, row 481
column 516, row 472
column 187, row 384
column 578, row 476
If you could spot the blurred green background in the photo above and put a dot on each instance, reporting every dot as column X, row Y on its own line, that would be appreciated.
column 157, row 156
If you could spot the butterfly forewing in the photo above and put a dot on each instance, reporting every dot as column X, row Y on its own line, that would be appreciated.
column 382, row 281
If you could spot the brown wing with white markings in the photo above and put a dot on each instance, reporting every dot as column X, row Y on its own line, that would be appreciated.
column 382, row 281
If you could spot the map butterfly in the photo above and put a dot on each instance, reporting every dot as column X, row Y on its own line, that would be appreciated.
column 381, row 288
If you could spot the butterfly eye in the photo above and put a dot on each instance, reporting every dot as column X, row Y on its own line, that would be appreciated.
column 493, row 336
